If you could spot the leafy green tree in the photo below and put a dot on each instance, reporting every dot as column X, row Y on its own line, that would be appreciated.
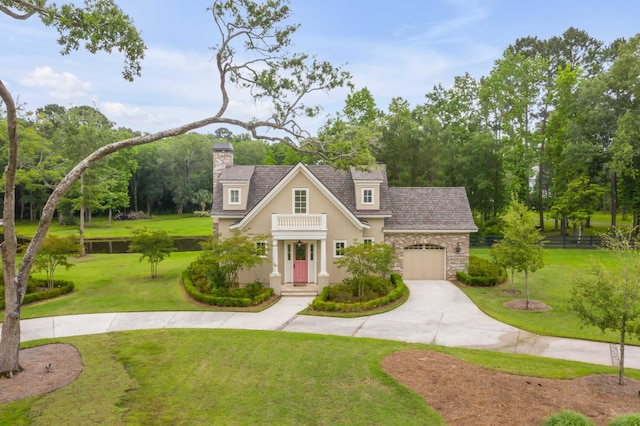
column 267, row 69
column 54, row 252
column 185, row 161
column 232, row 254
column 610, row 297
column 521, row 247
column 468, row 153
column 82, row 130
column 510, row 95
column 155, row 246
column 367, row 259
column 578, row 203
column 202, row 198
column 409, row 145
column 349, row 137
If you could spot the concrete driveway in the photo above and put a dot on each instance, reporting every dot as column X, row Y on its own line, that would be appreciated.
column 437, row 313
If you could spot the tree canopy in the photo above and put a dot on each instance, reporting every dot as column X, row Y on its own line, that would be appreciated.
column 266, row 69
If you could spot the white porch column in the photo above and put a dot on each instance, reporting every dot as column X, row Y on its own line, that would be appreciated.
column 274, row 255
column 275, row 281
column 323, row 276
column 323, row 256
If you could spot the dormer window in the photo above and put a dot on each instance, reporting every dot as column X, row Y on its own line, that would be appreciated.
column 234, row 196
column 300, row 201
column 367, row 196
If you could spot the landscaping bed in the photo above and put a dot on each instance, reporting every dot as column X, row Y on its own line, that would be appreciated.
column 37, row 290
column 250, row 295
column 343, row 297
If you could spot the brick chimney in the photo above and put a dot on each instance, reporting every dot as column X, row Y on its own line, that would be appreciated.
column 222, row 158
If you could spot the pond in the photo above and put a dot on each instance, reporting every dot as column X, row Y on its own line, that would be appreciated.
column 114, row 246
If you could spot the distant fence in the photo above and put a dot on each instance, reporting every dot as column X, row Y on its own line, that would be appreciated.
column 567, row 242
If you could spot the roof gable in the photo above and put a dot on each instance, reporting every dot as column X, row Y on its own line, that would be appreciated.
column 255, row 208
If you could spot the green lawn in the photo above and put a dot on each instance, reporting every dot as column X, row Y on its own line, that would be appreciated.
column 552, row 285
column 119, row 283
column 185, row 225
column 249, row 377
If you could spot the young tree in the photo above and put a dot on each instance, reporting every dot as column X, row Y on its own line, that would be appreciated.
column 366, row 259
column 521, row 247
column 153, row 245
column 237, row 252
column 610, row 297
column 266, row 69
column 54, row 252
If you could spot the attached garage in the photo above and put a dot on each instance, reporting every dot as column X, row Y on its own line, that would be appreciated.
column 424, row 262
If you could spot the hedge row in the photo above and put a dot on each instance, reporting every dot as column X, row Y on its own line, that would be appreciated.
column 61, row 287
column 476, row 281
column 320, row 303
column 240, row 302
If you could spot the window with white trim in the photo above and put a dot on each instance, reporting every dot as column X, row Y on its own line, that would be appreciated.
column 367, row 196
column 300, row 200
column 338, row 248
column 261, row 249
column 234, row 196
column 368, row 240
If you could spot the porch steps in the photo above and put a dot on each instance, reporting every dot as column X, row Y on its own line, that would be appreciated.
column 299, row 290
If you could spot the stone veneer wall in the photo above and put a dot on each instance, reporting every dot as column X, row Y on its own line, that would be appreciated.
column 222, row 158
column 455, row 261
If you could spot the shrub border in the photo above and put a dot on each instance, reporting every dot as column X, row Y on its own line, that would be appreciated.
column 476, row 281
column 225, row 301
column 320, row 303
column 64, row 287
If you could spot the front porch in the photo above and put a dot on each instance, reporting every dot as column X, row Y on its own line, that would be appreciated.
column 302, row 268
column 299, row 290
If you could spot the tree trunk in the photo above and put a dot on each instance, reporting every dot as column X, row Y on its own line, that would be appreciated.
column 526, row 289
column 622, row 335
column 83, row 251
column 614, row 199
column 513, row 283
column 109, row 218
column 13, row 291
column 16, row 283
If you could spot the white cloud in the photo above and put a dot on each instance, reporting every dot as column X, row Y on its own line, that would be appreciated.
column 59, row 86
column 121, row 113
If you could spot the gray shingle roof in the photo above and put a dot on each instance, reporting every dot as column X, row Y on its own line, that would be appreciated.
column 378, row 172
column 429, row 209
column 410, row 208
column 237, row 173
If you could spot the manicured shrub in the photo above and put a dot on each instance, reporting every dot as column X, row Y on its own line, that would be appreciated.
column 476, row 281
column 567, row 418
column 626, row 420
column 341, row 293
column 480, row 267
column 482, row 273
column 60, row 287
column 228, row 299
column 322, row 302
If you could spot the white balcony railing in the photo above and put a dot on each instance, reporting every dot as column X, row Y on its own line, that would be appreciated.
column 298, row 222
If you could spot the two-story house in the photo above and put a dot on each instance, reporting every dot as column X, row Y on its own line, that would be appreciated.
column 313, row 212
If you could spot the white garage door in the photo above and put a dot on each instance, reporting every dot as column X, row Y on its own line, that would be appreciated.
column 424, row 262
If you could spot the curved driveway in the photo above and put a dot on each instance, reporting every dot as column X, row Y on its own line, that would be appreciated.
column 437, row 312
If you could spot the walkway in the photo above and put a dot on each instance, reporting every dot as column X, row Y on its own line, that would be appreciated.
column 437, row 313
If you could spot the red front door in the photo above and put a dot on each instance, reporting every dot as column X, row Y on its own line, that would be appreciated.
column 300, row 271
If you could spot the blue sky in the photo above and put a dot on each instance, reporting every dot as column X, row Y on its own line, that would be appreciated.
column 394, row 48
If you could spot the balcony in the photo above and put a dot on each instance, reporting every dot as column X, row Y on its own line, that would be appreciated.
column 298, row 222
